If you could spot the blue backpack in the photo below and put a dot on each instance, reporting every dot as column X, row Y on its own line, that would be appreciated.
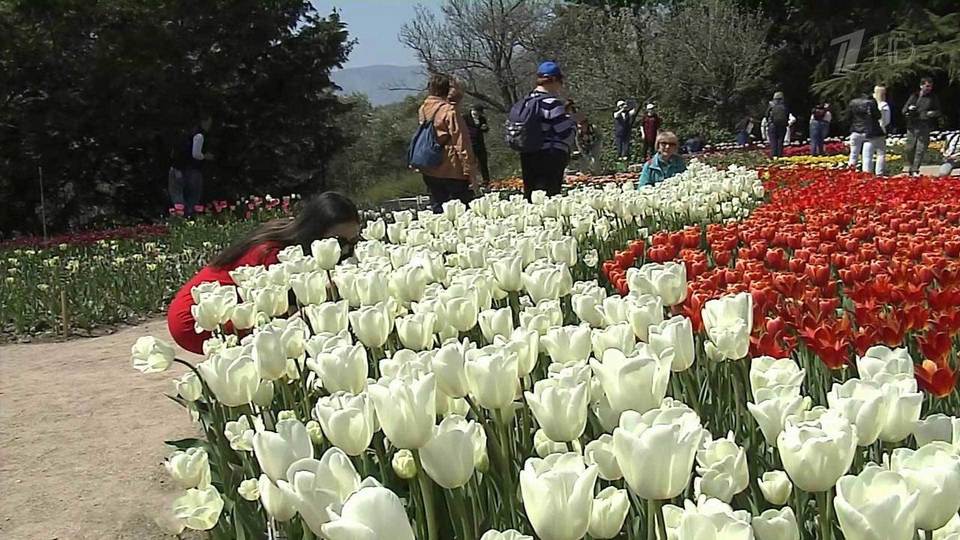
column 425, row 151
column 524, row 132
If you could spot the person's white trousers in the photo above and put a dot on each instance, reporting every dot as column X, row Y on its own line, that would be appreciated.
column 874, row 155
column 856, row 147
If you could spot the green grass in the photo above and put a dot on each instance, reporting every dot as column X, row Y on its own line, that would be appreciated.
column 406, row 184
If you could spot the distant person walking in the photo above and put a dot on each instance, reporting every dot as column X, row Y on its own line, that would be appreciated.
column 864, row 124
column 588, row 142
column 477, row 126
column 542, row 130
column 623, row 120
column 778, row 117
column 649, row 127
column 819, row 127
column 875, row 147
column 951, row 155
column 744, row 128
column 455, row 176
column 921, row 111
column 185, row 176
column 665, row 163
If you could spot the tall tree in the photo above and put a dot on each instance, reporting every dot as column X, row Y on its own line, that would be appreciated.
column 95, row 93
column 486, row 43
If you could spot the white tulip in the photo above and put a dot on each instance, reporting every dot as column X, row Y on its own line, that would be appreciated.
column 461, row 308
column 816, row 452
column 656, row 449
column 278, row 505
column 558, row 495
column 231, row 375
column 492, row 376
column 372, row 287
column 372, row 513
column 269, row 354
column 509, row 534
column 199, row 509
column 560, row 410
column 876, row 503
column 638, row 382
column 767, row 372
column 507, row 271
column 496, row 322
column 326, row 252
column 544, row 283
column 372, row 325
column 618, row 337
column 772, row 408
column 707, row 519
column 728, row 321
column 599, row 452
column 406, row 410
column 189, row 468
column 668, row 281
column 188, row 386
column 644, row 311
column 542, row 317
column 310, row 287
column 375, row 230
column 416, row 331
column 276, row 451
column 722, row 466
column 526, row 345
column 328, row 317
column 152, row 355
column 448, row 458
column 213, row 308
column 609, row 511
column 347, row 420
column 249, row 489
column 585, row 307
column 902, row 406
column 614, row 310
column 880, row 359
column 863, row 404
column 271, row 300
column 938, row 427
column 672, row 340
column 317, row 486
column 933, row 472
column 776, row 487
column 568, row 344
column 776, row 525
column 240, row 432
column 344, row 368
column 244, row 316
column 407, row 283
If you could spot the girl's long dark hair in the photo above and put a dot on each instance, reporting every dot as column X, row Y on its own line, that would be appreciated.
column 314, row 220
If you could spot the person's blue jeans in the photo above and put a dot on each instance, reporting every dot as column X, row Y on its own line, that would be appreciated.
column 777, row 133
column 192, row 190
column 623, row 146
column 818, row 132
column 742, row 137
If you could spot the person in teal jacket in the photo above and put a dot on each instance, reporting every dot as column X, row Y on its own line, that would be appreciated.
column 665, row 163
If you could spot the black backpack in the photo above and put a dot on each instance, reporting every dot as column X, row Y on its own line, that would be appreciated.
column 524, row 130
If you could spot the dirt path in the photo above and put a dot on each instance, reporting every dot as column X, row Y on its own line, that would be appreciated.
column 81, row 440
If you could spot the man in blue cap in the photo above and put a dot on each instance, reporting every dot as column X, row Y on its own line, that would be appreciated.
column 543, row 170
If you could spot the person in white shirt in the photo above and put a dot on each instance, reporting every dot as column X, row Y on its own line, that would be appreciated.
column 875, row 148
column 193, row 171
column 951, row 154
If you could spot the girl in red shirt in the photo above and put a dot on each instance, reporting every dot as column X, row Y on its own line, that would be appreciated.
column 329, row 215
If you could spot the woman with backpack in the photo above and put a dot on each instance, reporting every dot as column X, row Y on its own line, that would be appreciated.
column 454, row 177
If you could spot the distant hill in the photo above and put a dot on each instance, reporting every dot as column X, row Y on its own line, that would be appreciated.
column 375, row 81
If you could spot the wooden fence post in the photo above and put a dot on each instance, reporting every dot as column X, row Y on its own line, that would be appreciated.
column 64, row 314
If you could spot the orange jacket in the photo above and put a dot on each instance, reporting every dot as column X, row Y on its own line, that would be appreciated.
column 458, row 158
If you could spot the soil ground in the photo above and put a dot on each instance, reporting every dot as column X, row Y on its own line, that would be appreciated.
column 81, row 440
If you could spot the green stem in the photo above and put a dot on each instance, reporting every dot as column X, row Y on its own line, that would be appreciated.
column 426, row 490
column 928, row 535
column 826, row 517
column 652, row 519
column 661, row 522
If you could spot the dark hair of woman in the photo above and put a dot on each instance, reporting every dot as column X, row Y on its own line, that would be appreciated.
column 314, row 220
column 438, row 85
column 542, row 80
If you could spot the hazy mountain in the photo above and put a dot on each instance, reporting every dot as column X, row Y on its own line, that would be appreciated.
column 375, row 82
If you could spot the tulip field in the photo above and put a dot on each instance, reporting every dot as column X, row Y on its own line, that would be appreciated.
column 734, row 354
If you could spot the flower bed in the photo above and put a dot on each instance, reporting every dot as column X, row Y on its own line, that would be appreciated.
column 105, row 277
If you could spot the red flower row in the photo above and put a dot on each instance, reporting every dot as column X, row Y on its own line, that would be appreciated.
column 837, row 262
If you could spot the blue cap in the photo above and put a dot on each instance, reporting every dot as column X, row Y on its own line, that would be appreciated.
column 549, row 69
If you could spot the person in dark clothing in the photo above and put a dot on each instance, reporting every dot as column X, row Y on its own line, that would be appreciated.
column 543, row 170
column 921, row 111
column 623, row 121
column 819, row 126
column 743, row 128
column 649, row 127
column 777, row 119
column 864, row 125
column 185, row 177
column 477, row 127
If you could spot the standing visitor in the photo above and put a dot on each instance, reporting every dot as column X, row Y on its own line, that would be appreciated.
column 329, row 215
column 875, row 148
column 951, row 155
column 649, row 128
column 665, row 163
column 743, row 128
column 819, row 125
column 588, row 144
column 777, row 119
column 477, row 127
column 921, row 111
column 185, row 178
column 864, row 124
column 788, row 136
column 454, row 177
column 541, row 117
column 623, row 120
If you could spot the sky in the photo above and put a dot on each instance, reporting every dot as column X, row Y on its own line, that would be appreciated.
column 375, row 24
